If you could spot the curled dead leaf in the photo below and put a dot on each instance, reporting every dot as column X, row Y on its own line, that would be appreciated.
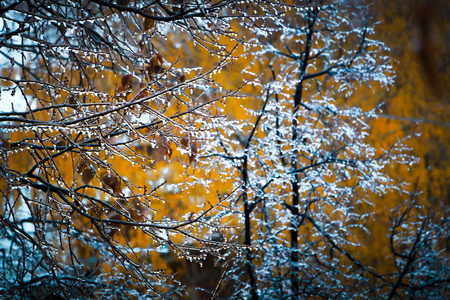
column 61, row 143
column 4, row 144
column 83, row 164
column 110, row 180
column 155, row 66
column 184, row 141
column 167, row 147
column 71, row 99
column 143, row 93
column 87, row 175
column 123, row 2
column 127, row 82
column 194, row 152
column 161, row 151
column 156, row 153
column 148, row 22
column 181, row 77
